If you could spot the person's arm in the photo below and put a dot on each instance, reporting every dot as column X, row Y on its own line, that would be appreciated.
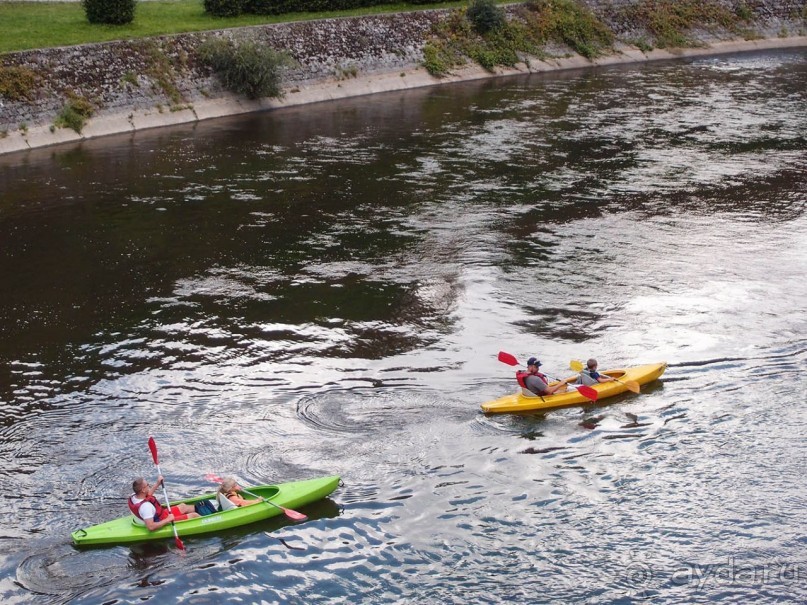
column 560, row 385
column 147, row 512
column 153, row 488
column 153, row 525
column 239, row 501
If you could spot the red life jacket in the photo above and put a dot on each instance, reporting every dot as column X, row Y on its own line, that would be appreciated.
column 522, row 376
column 135, row 508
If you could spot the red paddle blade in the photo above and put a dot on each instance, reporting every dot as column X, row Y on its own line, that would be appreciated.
column 179, row 543
column 153, row 448
column 588, row 392
column 214, row 478
column 293, row 514
column 507, row 358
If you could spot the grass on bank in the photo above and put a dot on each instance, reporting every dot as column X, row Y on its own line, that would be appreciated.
column 534, row 25
column 30, row 25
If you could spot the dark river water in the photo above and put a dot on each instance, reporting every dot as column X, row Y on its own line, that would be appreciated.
column 324, row 290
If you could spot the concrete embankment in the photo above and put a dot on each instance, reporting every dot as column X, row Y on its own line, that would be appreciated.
column 134, row 85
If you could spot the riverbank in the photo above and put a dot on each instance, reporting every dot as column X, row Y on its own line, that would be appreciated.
column 136, row 85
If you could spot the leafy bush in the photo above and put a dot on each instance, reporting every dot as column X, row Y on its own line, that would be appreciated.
column 744, row 12
column 527, row 32
column 268, row 7
column 75, row 113
column 246, row 67
column 485, row 15
column 112, row 12
column 439, row 57
column 669, row 21
column 568, row 22
column 224, row 8
column 228, row 8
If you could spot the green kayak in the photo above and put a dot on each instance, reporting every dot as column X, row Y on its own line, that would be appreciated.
column 289, row 495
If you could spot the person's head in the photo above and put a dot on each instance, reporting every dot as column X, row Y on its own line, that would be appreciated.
column 591, row 364
column 533, row 364
column 228, row 485
column 138, row 485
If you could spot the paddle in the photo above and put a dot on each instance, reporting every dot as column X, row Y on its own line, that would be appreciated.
column 291, row 514
column 508, row 359
column 585, row 391
column 153, row 448
column 512, row 361
column 631, row 385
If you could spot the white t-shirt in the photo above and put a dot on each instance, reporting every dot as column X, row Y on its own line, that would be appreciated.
column 146, row 510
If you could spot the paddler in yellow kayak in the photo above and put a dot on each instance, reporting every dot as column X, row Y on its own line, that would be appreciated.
column 589, row 375
column 536, row 382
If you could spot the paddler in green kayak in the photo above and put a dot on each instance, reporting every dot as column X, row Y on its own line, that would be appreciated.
column 146, row 508
column 228, row 496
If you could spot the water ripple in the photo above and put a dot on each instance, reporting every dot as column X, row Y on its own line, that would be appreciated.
column 323, row 290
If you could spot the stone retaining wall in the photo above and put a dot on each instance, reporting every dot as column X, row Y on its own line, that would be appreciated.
column 156, row 81
column 132, row 75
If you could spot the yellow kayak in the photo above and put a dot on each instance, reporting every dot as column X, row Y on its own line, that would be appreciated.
column 518, row 402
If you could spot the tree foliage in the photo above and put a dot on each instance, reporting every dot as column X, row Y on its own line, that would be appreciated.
column 111, row 12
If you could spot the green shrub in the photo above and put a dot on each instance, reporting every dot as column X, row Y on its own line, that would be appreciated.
column 269, row 7
column 570, row 23
column 17, row 83
column 439, row 58
column 669, row 21
column 456, row 38
column 246, row 67
column 112, row 12
column 160, row 70
column 130, row 77
column 485, row 15
column 229, row 8
column 75, row 113
column 505, row 43
column 744, row 12
column 346, row 72
column 224, row 8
